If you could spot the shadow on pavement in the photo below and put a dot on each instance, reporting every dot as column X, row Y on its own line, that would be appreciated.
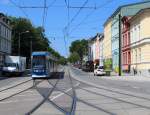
column 56, row 75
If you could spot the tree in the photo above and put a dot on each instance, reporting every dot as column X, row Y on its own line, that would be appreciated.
column 35, row 34
column 80, row 47
column 74, row 57
column 54, row 53
column 62, row 60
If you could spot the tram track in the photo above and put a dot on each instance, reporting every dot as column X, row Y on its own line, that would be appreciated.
column 17, row 93
column 73, row 108
column 45, row 98
column 111, row 97
column 114, row 98
column 15, row 85
column 73, row 105
column 50, row 100
column 111, row 90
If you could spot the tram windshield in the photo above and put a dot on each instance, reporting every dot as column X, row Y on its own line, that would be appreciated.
column 39, row 61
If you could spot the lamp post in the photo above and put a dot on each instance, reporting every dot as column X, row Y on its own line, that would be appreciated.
column 19, row 40
column 30, row 44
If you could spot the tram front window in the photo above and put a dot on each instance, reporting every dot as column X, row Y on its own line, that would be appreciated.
column 38, row 62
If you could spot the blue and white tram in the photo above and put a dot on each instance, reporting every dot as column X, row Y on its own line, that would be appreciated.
column 43, row 64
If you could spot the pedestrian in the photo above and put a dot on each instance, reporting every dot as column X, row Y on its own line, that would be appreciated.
column 133, row 70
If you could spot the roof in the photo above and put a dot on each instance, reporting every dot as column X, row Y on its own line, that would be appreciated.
column 138, row 13
column 100, row 35
column 42, row 53
column 1, row 14
column 120, row 7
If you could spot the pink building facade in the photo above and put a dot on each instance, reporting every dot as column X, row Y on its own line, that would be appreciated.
column 126, row 50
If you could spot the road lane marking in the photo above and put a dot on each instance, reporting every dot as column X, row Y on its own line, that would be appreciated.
column 63, row 93
column 135, row 87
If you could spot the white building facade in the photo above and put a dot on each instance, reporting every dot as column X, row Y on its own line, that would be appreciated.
column 101, row 59
column 95, row 49
column 5, row 38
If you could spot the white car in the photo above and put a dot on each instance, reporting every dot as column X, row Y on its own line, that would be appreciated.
column 99, row 71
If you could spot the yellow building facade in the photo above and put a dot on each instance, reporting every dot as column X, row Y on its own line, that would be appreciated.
column 140, row 43
column 107, row 53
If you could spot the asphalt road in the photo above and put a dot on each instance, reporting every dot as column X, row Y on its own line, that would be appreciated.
column 133, row 86
column 73, row 92
column 99, row 96
column 6, row 81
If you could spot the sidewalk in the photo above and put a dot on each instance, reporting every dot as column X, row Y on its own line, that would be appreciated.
column 128, row 78
column 114, row 76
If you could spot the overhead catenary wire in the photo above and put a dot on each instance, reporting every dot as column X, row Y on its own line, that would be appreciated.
column 44, row 14
column 67, row 28
column 64, row 30
column 89, row 14
column 16, row 5
column 78, row 12
column 51, row 4
column 66, row 3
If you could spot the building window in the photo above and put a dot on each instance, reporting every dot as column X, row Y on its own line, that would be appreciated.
column 138, row 32
column 135, row 34
column 139, row 55
column 132, row 55
column 125, row 41
column 129, row 58
column 128, row 38
column 135, row 55
column 126, row 57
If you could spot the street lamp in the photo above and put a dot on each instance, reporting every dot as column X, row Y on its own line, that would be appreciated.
column 19, row 40
column 31, row 51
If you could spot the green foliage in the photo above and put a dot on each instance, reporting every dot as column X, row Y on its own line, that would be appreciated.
column 116, row 69
column 35, row 34
column 54, row 53
column 80, row 47
column 62, row 61
column 108, row 64
column 74, row 57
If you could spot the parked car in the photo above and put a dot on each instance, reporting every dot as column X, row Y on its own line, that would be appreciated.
column 88, row 66
column 99, row 71
column 77, row 66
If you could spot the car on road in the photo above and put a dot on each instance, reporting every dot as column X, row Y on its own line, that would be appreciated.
column 99, row 71
column 88, row 66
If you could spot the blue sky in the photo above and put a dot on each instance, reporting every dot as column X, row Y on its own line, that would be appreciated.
column 57, row 18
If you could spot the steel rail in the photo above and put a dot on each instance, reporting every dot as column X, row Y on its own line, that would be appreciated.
column 45, row 98
column 114, row 98
column 74, row 99
column 15, row 85
column 73, row 108
column 5, row 98
column 110, row 90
